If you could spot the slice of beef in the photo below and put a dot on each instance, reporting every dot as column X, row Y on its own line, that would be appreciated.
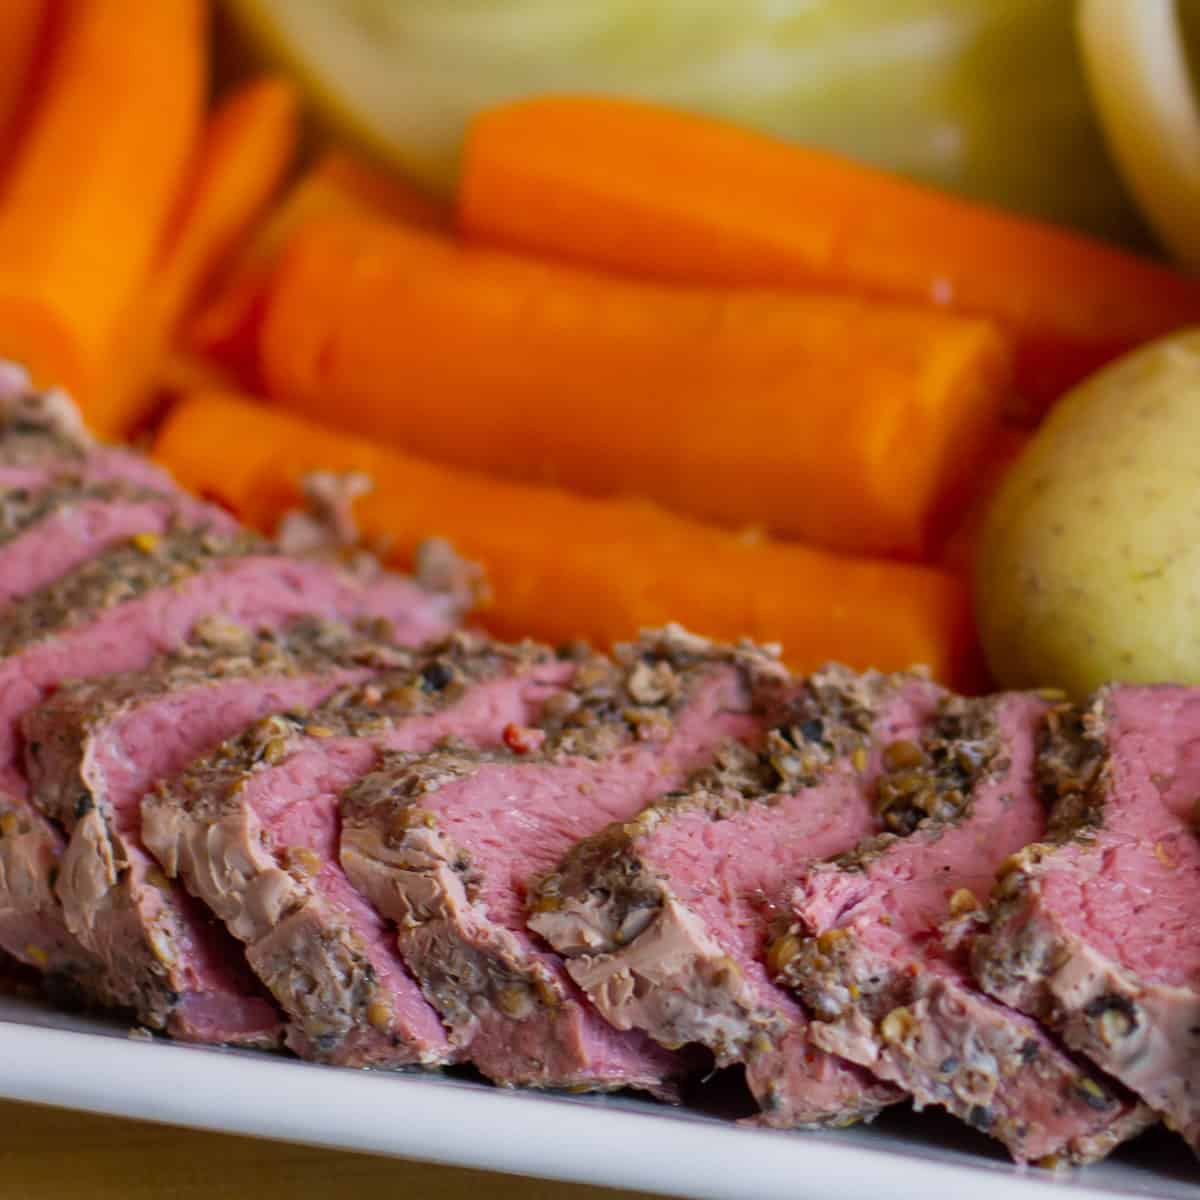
column 45, row 533
column 252, row 830
column 97, row 746
column 446, row 846
column 665, row 920
column 117, row 612
column 889, row 991
column 1094, row 929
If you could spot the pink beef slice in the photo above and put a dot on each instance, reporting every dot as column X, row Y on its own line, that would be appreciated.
column 46, row 532
column 888, row 989
column 1093, row 929
column 665, row 920
column 116, row 613
column 252, row 831
column 448, row 845
column 97, row 746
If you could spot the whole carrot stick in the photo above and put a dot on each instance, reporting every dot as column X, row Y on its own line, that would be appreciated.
column 22, row 25
column 225, row 327
column 564, row 566
column 661, row 194
column 831, row 419
column 244, row 154
column 89, row 193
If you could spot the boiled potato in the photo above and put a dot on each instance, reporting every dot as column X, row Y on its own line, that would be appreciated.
column 1089, row 565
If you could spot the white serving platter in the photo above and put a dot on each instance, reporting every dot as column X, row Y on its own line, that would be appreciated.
column 93, row 1065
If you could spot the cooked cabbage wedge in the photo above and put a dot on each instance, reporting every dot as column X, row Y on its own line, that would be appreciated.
column 985, row 97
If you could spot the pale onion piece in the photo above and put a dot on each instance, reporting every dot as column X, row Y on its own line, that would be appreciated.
column 1137, row 70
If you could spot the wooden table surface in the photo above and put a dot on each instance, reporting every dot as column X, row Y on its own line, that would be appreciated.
column 52, row 1154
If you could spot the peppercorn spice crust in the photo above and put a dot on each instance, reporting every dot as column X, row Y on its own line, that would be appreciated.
column 1092, row 930
column 121, row 574
column 23, row 508
column 445, row 845
column 48, row 531
column 664, row 920
column 252, row 831
column 96, row 746
column 889, row 992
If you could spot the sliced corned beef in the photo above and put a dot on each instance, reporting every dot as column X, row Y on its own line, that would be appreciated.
column 1094, row 929
column 888, row 991
column 446, row 845
column 253, row 831
column 45, row 533
column 117, row 612
column 665, row 920
column 97, row 746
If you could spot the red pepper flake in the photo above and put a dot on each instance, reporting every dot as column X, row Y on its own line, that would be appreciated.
column 521, row 739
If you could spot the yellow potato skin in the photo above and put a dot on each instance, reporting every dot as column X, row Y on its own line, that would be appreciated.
column 1089, row 563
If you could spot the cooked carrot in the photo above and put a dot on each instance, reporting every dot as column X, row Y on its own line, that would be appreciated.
column 564, row 566
column 658, row 193
column 835, row 420
column 88, row 196
column 225, row 327
column 22, row 25
column 242, row 158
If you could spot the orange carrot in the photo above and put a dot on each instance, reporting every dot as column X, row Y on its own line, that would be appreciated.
column 564, row 566
column 831, row 419
column 90, row 191
column 244, row 154
column 226, row 326
column 22, row 25
column 658, row 193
